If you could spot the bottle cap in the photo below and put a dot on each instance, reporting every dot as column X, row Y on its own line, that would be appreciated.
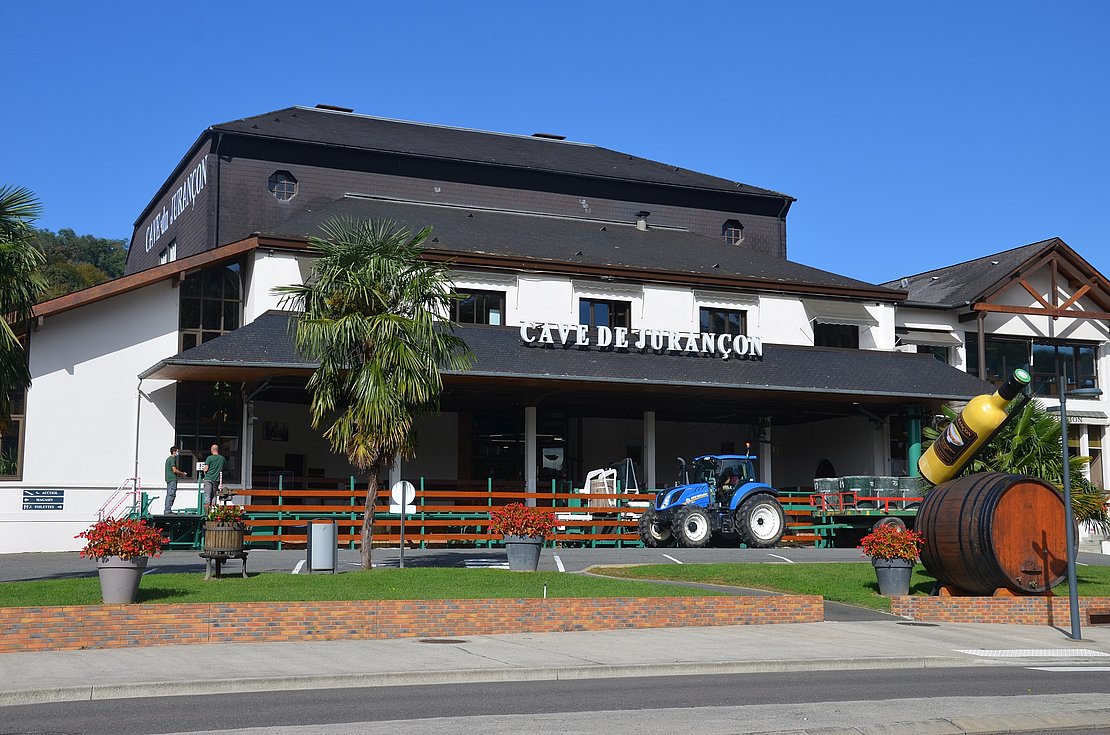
column 1015, row 384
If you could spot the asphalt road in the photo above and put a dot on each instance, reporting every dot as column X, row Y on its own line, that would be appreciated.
column 708, row 705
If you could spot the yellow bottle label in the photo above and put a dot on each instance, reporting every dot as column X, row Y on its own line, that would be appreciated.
column 956, row 440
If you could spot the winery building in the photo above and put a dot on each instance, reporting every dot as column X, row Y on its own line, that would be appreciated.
column 618, row 307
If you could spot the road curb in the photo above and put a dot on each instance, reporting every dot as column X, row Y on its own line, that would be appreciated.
column 460, row 676
column 1080, row 719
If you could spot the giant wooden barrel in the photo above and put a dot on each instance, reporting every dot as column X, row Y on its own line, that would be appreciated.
column 992, row 530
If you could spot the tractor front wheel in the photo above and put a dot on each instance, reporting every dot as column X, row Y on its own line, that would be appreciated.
column 691, row 527
column 653, row 533
column 760, row 521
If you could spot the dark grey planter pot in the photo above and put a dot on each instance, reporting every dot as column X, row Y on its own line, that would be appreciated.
column 893, row 575
column 119, row 578
column 524, row 552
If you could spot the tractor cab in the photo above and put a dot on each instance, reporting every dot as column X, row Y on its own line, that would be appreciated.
column 715, row 494
column 723, row 473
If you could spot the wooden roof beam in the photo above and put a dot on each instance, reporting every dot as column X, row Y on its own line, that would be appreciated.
column 1057, row 312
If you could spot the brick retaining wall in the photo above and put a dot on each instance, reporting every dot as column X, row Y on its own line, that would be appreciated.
column 114, row 626
column 1028, row 610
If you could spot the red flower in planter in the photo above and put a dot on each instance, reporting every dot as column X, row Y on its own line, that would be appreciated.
column 225, row 513
column 123, row 537
column 517, row 519
column 892, row 542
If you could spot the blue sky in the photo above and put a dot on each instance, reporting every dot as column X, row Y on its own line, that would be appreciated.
column 914, row 135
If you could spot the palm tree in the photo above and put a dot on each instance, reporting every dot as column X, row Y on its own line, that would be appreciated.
column 374, row 316
column 21, row 285
column 1029, row 444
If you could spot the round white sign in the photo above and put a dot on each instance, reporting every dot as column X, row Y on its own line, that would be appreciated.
column 403, row 493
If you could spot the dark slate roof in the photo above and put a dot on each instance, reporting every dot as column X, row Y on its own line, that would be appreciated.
column 956, row 284
column 575, row 241
column 266, row 342
column 499, row 149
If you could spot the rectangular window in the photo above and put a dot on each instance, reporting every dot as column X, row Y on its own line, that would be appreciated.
column 835, row 335
column 1045, row 359
column 11, row 437
column 207, row 414
column 599, row 313
column 723, row 321
column 479, row 307
column 211, row 305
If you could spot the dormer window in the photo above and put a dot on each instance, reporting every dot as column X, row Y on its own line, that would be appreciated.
column 283, row 185
column 732, row 232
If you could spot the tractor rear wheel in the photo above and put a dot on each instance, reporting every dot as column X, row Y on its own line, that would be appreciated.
column 653, row 533
column 691, row 527
column 760, row 521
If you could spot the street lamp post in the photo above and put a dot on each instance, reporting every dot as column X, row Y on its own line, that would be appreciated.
column 1069, row 513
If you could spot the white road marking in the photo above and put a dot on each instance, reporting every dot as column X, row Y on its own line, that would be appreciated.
column 487, row 563
column 788, row 561
column 1082, row 564
column 559, row 563
column 150, row 571
column 676, row 561
column 1033, row 652
column 1065, row 669
column 300, row 565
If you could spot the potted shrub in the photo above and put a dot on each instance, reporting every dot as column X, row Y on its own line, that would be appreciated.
column 524, row 529
column 893, row 550
column 224, row 529
column 121, row 547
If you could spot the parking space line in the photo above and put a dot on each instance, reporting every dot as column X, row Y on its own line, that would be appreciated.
column 676, row 561
column 788, row 561
column 559, row 563
column 300, row 565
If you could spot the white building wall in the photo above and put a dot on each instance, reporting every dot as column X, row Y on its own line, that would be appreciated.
column 266, row 270
column 881, row 336
column 666, row 307
column 783, row 320
column 545, row 300
column 81, row 413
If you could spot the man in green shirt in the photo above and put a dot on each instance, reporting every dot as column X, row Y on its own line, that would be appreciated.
column 172, row 473
column 212, row 479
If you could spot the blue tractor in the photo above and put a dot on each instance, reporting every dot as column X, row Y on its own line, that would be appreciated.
column 724, row 499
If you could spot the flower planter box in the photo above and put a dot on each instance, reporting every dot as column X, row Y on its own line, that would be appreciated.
column 119, row 578
column 523, row 552
column 223, row 538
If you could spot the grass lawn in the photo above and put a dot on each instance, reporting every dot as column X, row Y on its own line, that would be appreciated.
column 380, row 584
column 850, row 582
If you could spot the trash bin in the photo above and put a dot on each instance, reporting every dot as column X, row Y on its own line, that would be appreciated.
column 323, row 546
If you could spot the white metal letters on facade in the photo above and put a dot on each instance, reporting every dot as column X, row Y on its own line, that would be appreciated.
column 642, row 340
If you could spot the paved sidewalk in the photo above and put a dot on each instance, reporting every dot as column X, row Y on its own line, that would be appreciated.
column 223, row 668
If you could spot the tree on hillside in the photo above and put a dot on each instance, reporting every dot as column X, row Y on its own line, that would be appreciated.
column 1029, row 444
column 374, row 316
column 21, row 285
column 74, row 262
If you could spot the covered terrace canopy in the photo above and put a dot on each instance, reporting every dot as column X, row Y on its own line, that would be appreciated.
column 791, row 383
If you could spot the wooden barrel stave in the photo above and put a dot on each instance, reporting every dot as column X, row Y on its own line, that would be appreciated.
column 223, row 538
column 990, row 531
